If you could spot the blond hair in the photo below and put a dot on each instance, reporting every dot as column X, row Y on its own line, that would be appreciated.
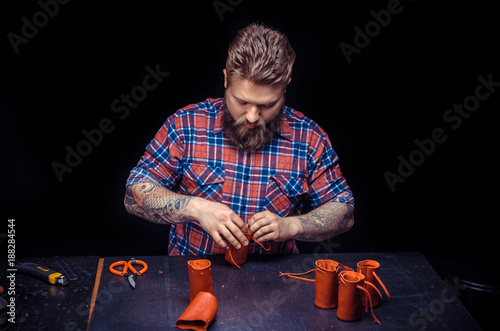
column 260, row 54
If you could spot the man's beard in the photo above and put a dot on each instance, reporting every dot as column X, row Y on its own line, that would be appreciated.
column 250, row 139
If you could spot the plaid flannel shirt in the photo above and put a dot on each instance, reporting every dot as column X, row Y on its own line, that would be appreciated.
column 190, row 154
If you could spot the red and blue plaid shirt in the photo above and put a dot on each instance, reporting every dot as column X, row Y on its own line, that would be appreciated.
column 190, row 154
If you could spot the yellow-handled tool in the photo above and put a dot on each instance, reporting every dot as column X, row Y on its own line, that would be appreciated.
column 42, row 272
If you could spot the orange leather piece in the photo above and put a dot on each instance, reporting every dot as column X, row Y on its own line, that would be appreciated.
column 370, row 269
column 200, row 313
column 327, row 280
column 238, row 256
column 350, row 301
column 200, row 277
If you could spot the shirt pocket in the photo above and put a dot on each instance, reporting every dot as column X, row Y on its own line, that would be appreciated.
column 284, row 193
column 204, row 181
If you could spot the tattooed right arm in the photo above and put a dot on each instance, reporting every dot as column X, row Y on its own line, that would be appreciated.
column 156, row 203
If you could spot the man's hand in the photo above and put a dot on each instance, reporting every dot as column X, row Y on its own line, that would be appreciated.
column 326, row 221
column 219, row 220
column 266, row 226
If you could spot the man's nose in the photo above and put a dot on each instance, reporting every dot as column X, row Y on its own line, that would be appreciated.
column 253, row 115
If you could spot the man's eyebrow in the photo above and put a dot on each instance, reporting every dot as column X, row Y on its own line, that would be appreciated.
column 268, row 104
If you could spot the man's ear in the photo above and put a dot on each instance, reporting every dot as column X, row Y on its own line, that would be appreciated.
column 225, row 78
column 289, row 80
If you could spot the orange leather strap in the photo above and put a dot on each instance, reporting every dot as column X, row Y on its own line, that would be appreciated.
column 295, row 275
column 376, row 289
column 383, row 286
column 232, row 260
column 258, row 242
column 369, row 298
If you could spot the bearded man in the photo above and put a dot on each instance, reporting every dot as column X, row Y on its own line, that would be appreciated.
column 245, row 162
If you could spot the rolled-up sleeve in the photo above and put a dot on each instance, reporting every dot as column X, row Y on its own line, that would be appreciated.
column 161, row 162
column 326, row 182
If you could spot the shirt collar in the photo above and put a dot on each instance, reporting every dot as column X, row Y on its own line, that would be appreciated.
column 285, row 126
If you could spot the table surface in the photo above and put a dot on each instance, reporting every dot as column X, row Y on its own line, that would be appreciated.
column 43, row 306
column 254, row 297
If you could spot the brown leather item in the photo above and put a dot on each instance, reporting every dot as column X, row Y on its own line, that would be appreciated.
column 200, row 313
column 370, row 269
column 239, row 256
column 326, row 279
column 200, row 277
column 350, row 302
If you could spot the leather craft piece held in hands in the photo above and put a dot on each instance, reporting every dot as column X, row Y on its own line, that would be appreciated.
column 239, row 256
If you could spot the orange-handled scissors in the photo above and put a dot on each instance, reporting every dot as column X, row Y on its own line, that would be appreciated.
column 129, row 266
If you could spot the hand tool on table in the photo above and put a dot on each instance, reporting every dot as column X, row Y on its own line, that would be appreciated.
column 128, row 266
column 44, row 273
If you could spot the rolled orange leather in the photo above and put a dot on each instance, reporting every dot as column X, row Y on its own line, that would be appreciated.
column 200, row 313
column 370, row 269
column 238, row 256
column 350, row 302
column 327, row 280
column 200, row 277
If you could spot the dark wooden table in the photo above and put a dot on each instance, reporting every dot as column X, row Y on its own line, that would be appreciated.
column 251, row 298
column 40, row 305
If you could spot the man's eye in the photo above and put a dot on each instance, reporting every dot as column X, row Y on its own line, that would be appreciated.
column 242, row 102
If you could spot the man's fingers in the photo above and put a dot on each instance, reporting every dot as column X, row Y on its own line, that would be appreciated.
column 231, row 238
column 253, row 223
column 238, row 235
column 236, row 220
column 218, row 239
column 257, row 217
column 261, row 233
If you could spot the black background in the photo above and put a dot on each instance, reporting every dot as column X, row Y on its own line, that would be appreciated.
column 394, row 91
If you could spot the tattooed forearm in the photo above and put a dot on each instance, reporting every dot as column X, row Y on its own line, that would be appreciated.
column 156, row 203
column 326, row 221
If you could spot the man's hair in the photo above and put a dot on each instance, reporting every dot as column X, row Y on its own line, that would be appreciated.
column 260, row 54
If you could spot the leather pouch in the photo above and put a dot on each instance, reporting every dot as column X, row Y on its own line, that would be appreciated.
column 350, row 302
column 370, row 269
column 200, row 313
column 200, row 277
column 326, row 282
column 239, row 256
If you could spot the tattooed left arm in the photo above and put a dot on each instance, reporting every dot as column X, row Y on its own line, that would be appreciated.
column 326, row 221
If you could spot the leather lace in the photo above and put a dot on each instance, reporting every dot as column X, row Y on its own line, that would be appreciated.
column 258, row 242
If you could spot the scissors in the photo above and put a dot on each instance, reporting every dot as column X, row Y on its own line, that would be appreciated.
column 129, row 266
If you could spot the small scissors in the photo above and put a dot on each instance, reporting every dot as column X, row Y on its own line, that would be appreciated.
column 128, row 266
